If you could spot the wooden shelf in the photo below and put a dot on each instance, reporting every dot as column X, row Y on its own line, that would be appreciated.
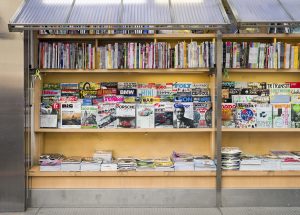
column 259, row 173
column 124, row 130
column 260, row 36
column 261, row 129
column 133, row 71
column 263, row 70
column 127, row 36
column 35, row 172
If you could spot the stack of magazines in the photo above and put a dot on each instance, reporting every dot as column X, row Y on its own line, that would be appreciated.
column 51, row 162
column 183, row 161
column 90, row 164
column 251, row 162
column 71, row 164
column 231, row 158
column 126, row 164
column 163, row 164
column 104, row 156
column 204, row 163
column 145, row 165
column 112, row 166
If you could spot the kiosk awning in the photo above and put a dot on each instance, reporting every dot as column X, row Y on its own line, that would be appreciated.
column 155, row 14
column 265, row 12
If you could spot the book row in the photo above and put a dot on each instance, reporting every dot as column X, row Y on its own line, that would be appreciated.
column 261, row 105
column 256, row 55
column 234, row 159
column 155, row 55
column 103, row 161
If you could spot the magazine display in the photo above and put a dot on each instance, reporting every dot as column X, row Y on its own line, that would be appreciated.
column 202, row 115
column 144, row 116
column 164, row 114
column 71, row 115
column 245, row 115
column 106, row 117
column 125, row 115
column 183, row 116
column 88, row 116
column 295, row 116
column 264, row 116
column 281, row 115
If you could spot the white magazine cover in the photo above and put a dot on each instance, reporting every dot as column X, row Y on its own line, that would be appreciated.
column 144, row 116
column 282, row 115
column 264, row 117
column 106, row 117
column 70, row 115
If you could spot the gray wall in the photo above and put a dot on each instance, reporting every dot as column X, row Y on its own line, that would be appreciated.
column 12, row 176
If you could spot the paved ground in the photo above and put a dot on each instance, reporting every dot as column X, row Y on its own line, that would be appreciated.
column 159, row 211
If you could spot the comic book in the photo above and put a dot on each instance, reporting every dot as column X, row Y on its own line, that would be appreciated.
column 295, row 116
column 70, row 115
column 164, row 114
column 125, row 115
column 202, row 114
column 228, row 115
column 88, row 116
column 106, row 117
column 245, row 115
column 264, row 117
column 144, row 116
column 282, row 115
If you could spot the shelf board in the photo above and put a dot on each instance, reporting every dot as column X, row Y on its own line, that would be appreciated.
column 133, row 71
column 129, row 36
column 260, row 36
column 261, row 129
column 124, row 130
column 264, row 70
column 238, row 173
column 35, row 172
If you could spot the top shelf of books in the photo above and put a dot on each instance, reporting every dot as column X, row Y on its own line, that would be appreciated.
column 124, row 36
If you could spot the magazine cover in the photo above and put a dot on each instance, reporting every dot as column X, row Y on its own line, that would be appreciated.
column 242, row 98
column 127, row 85
column 125, row 115
column 113, row 99
column 183, row 116
column 144, row 116
column 164, row 114
column 68, row 86
column 200, row 92
column 70, row 92
column 88, row 86
column 49, row 112
column 70, row 115
column 88, row 116
column 228, row 110
column 202, row 114
column 88, row 94
column 295, row 115
column 183, row 87
column 164, row 89
column 282, row 115
column 106, row 117
column 245, row 115
column 264, row 117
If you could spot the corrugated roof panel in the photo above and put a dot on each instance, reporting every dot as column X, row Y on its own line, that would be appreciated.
column 258, row 11
column 146, row 12
column 293, row 8
column 44, row 12
column 96, row 12
column 198, row 12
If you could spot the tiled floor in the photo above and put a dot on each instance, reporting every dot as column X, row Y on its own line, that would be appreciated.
column 159, row 211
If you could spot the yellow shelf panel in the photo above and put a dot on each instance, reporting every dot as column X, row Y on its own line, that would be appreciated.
column 259, row 173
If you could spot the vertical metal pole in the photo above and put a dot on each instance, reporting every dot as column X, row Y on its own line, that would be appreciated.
column 218, row 118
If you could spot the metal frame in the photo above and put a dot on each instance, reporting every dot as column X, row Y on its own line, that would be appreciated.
column 13, row 27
